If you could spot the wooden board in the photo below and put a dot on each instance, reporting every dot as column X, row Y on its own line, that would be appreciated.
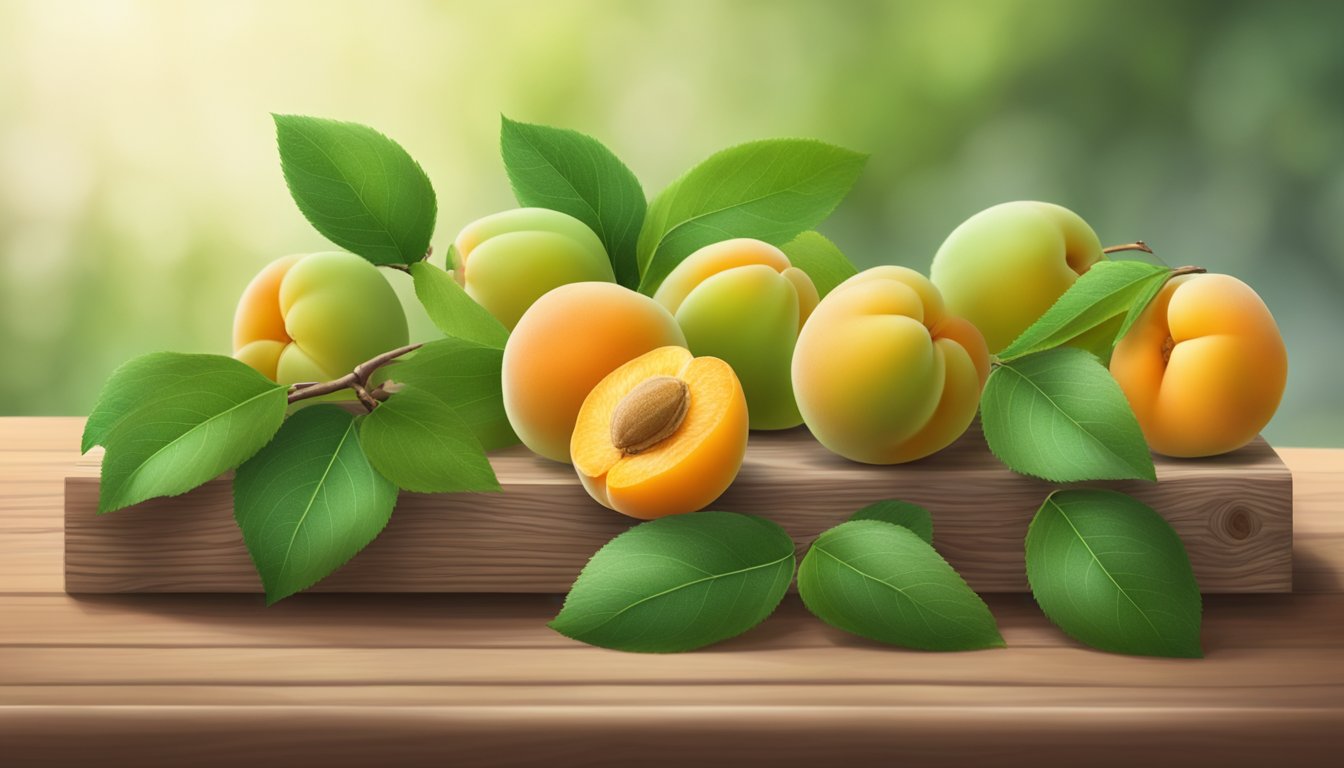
column 1233, row 512
column 440, row 679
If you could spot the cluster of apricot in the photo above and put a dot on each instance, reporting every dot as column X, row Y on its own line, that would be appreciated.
column 651, row 398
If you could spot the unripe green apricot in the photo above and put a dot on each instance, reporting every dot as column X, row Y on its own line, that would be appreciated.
column 508, row 260
column 1002, row 268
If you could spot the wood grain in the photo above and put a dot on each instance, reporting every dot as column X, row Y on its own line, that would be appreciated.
column 477, row 679
column 1233, row 512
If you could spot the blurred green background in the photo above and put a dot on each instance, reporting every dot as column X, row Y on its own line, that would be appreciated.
column 139, row 186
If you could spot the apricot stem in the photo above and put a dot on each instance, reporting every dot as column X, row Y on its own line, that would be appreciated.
column 1177, row 272
column 357, row 380
column 1137, row 245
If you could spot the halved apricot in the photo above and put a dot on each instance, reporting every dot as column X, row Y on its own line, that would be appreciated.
column 663, row 434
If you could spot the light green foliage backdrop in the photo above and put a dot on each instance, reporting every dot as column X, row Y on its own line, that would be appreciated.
column 139, row 186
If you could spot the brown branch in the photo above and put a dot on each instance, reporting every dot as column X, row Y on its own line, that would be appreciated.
column 1177, row 272
column 1137, row 245
column 357, row 380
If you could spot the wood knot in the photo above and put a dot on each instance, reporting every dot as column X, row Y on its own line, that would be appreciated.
column 1237, row 523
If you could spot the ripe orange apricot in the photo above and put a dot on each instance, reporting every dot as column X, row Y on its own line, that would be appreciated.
column 661, row 435
column 1203, row 367
column 563, row 345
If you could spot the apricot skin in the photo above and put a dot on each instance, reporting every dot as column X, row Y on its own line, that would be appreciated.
column 883, row 374
column 563, row 345
column 315, row 317
column 741, row 300
column 1204, row 366
column 508, row 260
column 686, row 471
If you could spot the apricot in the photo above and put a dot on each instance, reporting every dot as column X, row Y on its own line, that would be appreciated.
column 315, row 317
column 883, row 374
column 1203, row 367
column 742, row 301
column 1003, row 267
column 566, row 343
column 509, row 260
column 661, row 435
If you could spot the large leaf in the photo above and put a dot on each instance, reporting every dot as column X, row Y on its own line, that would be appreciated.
column 420, row 443
column 820, row 259
column 1113, row 574
column 310, row 500
column 452, row 310
column 1059, row 415
column 679, row 583
column 170, row 422
column 358, row 188
column 573, row 173
column 883, row 582
column 465, row 376
column 1104, row 292
column 901, row 513
column 770, row 190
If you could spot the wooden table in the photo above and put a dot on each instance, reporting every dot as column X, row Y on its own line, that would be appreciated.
column 328, row 679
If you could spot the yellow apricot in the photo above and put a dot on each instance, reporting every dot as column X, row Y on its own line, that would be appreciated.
column 563, row 345
column 661, row 435
column 882, row 374
column 1203, row 367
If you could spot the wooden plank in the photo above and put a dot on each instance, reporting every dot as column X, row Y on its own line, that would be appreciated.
column 1234, row 513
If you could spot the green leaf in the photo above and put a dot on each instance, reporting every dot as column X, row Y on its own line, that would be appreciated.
column 465, row 376
column 420, row 443
column 309, row 501
column 452, row 310
column 679, row 583
column 1107, row 290
column 1060, row 416
column 770, row 190
column 573, row 173
column 820, row 259
column 1112, row 573
column 170, row 422
column 1140, row 303
column 901, row 513
column 885, row 583
column 358, row 188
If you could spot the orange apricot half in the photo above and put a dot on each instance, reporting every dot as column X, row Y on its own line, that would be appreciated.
column 663, row 434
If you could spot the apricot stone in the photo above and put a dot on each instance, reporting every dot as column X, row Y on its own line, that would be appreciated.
column 509, row 260
column 1203, row 367
column 566, row 343
column 315, row 317
column 740, row 300
column 883, row 374
column 661, row 435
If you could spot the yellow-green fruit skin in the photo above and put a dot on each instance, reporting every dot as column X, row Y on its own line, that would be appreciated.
column 742, row 301
column 1002, row 268
column 508, row 260
column 882, row 374
column 315, row 317
column 1204, row 367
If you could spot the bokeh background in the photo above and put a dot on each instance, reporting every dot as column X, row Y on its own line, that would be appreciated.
column 140, row 190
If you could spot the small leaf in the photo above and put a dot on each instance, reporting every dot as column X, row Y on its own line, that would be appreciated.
column 576, row 174
column 820, row 259
column 171, row 422
column 679, row 583
column 358, row 188
column 465, row 376
column 1060, row 416
column 901, row 513
column 1112, row 573
column 1107, row 290
column 309, row 501
column 770, row 190
column 883, row 582
column 420, row 443
column 452, row 310
column 1140, row 303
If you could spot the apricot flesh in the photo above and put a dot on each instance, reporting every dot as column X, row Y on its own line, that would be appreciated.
column 315, row 317
column 883, row 374
column 1204, row 366
column 682, row 472
column 563, row 345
